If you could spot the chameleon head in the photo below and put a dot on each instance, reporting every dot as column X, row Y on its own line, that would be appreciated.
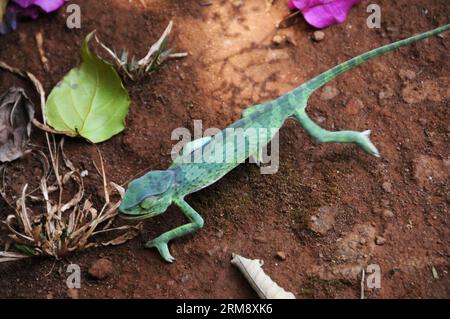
column 148, row 196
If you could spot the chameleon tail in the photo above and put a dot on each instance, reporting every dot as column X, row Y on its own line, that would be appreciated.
column 320, row 80
column 300, row 95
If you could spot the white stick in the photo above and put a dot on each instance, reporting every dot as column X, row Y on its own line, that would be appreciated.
column 264, row 286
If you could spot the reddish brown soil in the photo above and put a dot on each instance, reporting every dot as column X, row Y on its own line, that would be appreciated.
column 233, row 64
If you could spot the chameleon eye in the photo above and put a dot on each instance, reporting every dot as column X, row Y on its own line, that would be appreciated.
column 146, row 203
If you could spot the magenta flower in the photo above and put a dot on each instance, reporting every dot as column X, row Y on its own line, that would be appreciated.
column 323, row 13
column 46, row 5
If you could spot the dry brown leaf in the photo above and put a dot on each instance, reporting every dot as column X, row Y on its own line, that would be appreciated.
column 16, row 114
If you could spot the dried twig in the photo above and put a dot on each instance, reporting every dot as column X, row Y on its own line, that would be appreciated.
column 40, row 46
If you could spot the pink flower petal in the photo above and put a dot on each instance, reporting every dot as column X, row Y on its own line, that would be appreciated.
column 46, row 5
column 302, row 4
column 323, row 13
column 49, row 5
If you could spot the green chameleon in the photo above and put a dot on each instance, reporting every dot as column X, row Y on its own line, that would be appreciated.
column 153, row 193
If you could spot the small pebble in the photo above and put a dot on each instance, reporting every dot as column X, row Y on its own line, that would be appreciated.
column 184, row 278
column 237, row 3
column 278, row 39
column 387, row 213
column 281, row 255
column 261, row 239
column 329, row 92
column 386, row 93
column 387, row 187
column 219, row 233
column 380, row 240
column 406, row 75
column 318, row 36
column 73, row 293
column 101, row 268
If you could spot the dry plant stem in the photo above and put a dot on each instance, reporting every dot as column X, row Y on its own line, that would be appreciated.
column 40, row 45
column 156, row 46
column 10, row 256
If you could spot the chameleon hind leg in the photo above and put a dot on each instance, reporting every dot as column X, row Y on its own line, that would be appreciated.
column 362, row 139
column 161, row 242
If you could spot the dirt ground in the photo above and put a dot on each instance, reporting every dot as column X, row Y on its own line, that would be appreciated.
column 331, row 209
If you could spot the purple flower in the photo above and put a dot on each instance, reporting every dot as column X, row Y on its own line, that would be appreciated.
column 46, row 5
column 323, row 13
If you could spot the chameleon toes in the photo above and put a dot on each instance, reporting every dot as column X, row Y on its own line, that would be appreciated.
column 163, row 249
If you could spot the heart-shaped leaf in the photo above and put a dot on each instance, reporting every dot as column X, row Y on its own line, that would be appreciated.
column 90, row 101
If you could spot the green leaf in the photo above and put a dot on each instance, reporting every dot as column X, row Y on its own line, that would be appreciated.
column 27, row 250
column 90, row 101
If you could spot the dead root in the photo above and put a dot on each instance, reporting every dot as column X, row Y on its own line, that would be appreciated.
column 58, row 217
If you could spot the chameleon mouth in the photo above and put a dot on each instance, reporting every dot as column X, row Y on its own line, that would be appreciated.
column 136, row 213
column 136, row 216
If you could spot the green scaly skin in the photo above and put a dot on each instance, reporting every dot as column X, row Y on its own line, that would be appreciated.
column 153, row 193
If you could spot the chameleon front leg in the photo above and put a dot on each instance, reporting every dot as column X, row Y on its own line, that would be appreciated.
column 161, row 242
column 362, row 139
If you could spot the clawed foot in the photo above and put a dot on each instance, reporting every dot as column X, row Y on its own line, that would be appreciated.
column 162, row 248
